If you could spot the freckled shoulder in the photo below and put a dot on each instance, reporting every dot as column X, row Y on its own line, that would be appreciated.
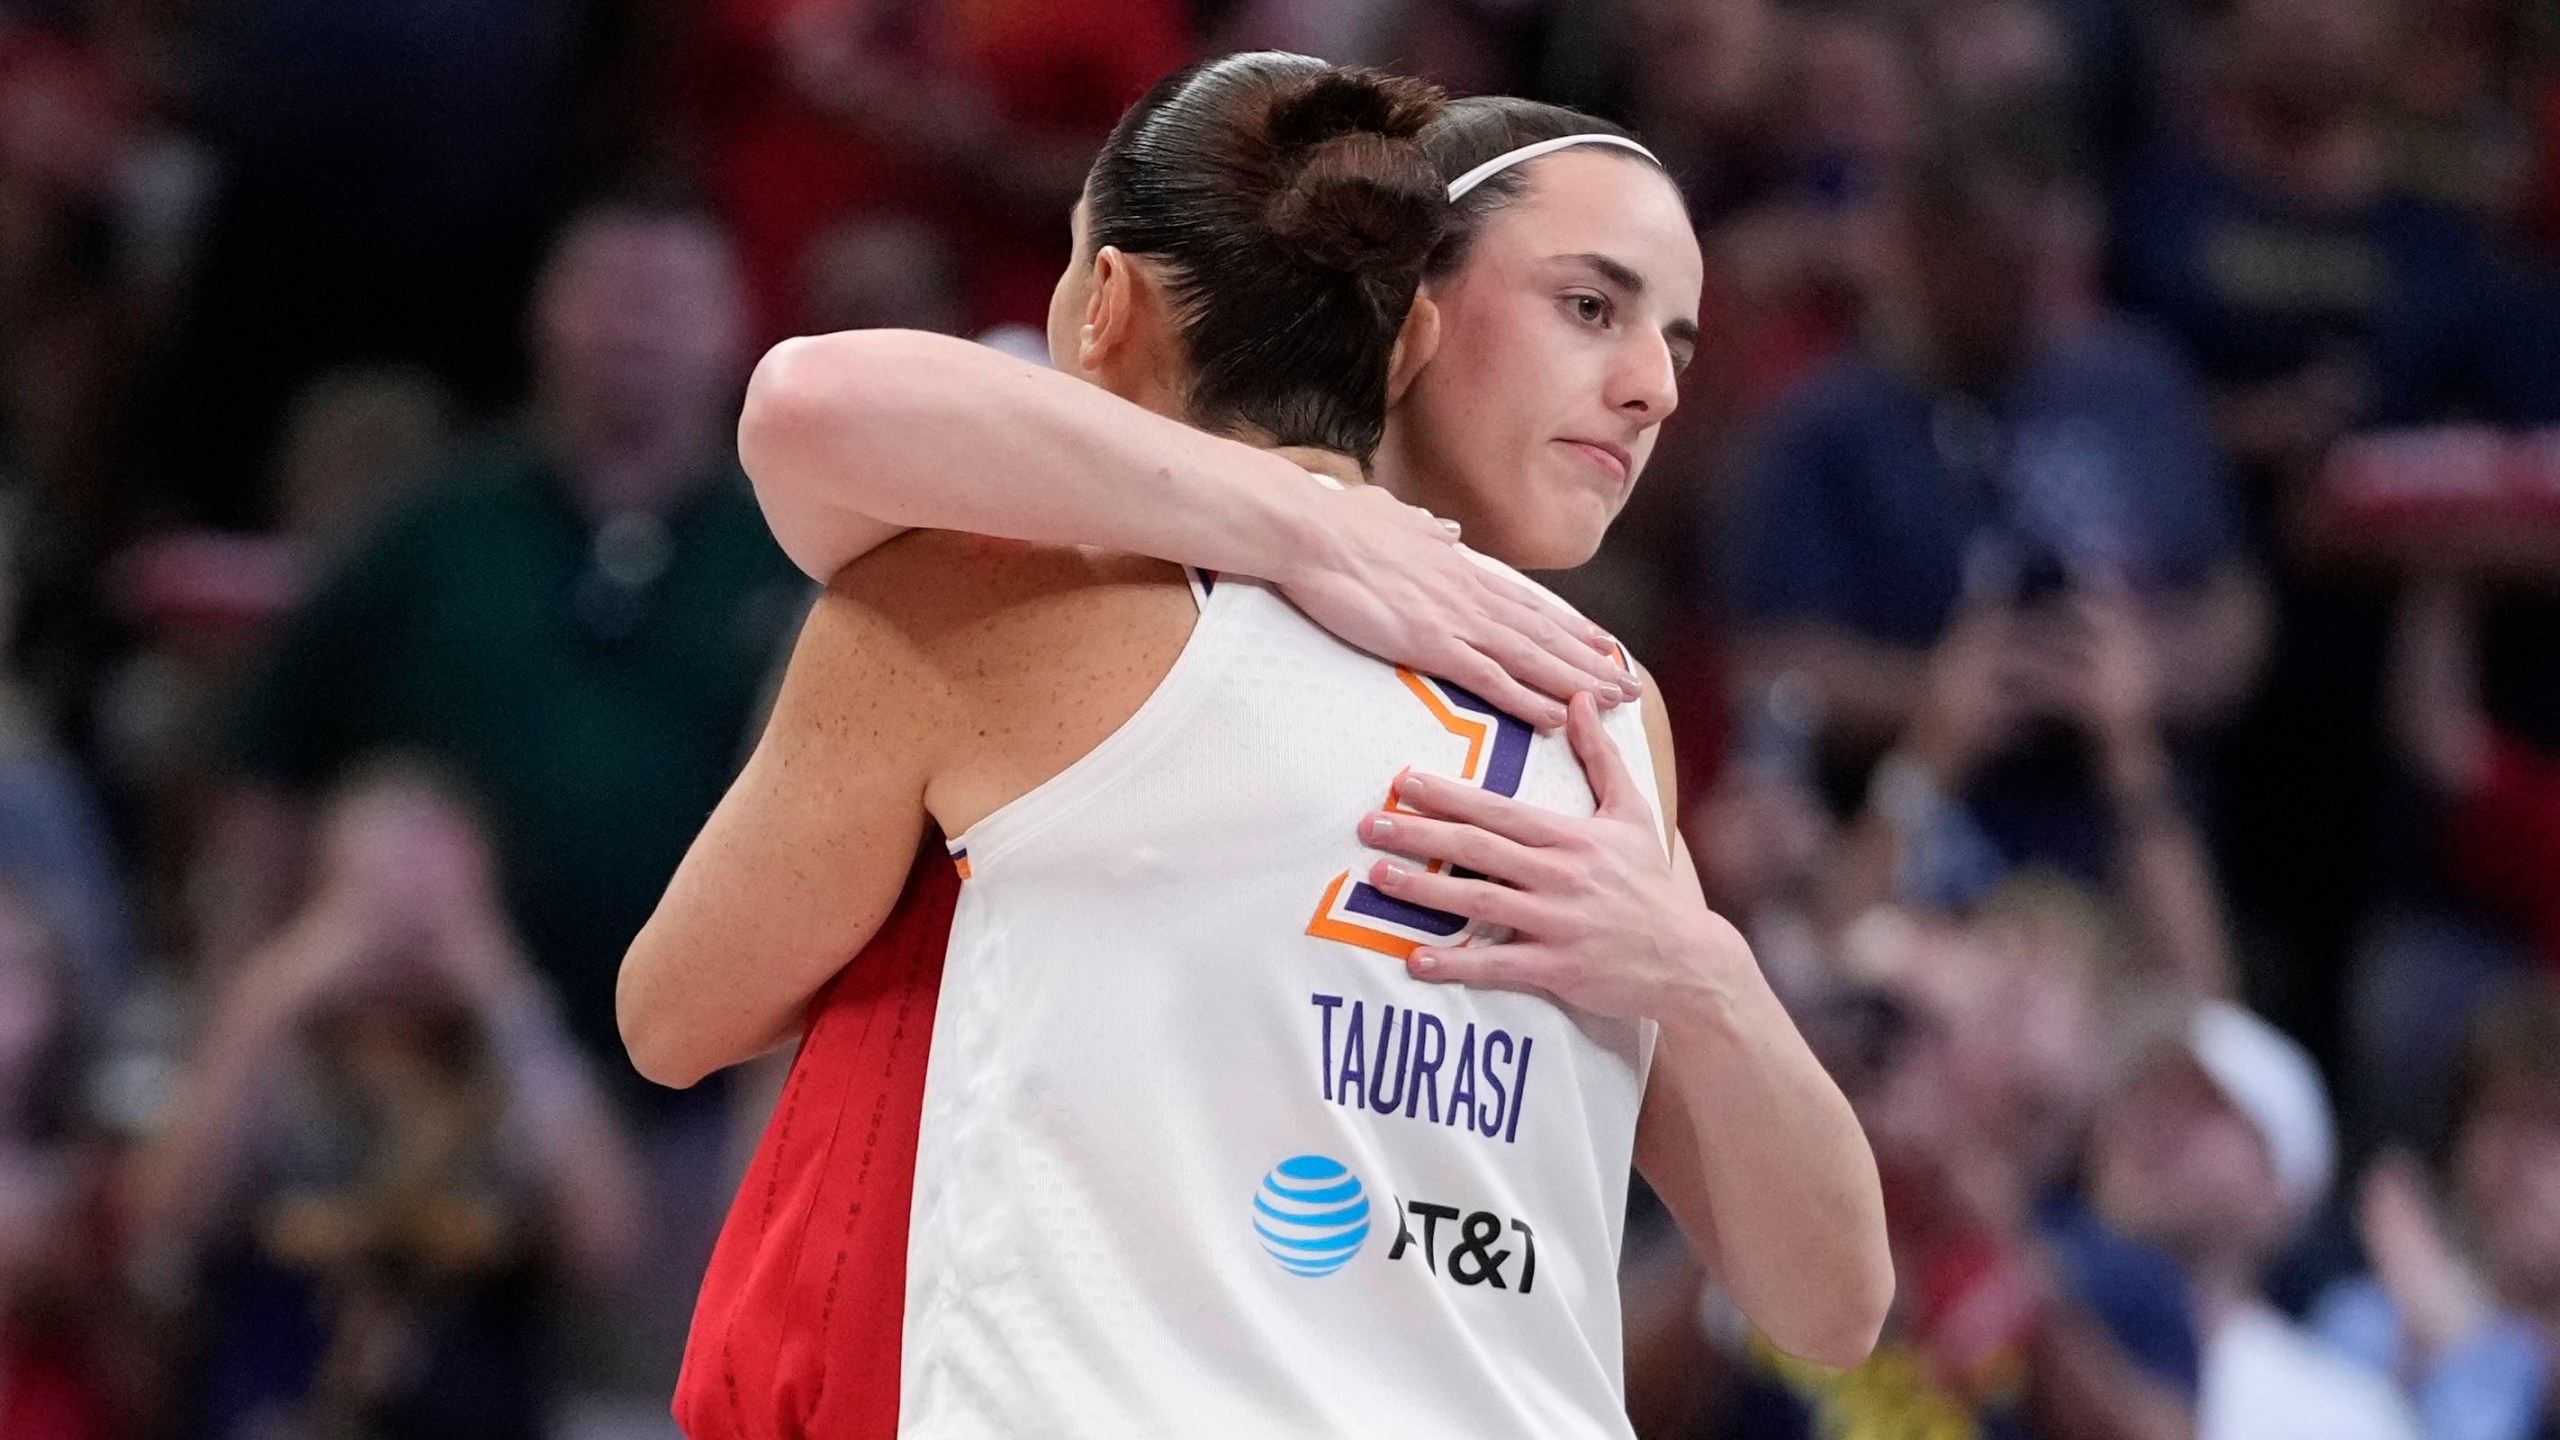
column 981, row 607
column 1027, row 656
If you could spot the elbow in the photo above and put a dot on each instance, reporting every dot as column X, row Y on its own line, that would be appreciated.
column 650, row 1036
column 659, row 1061
column 824, row 427
column 796, row 390
column 1840, row 1325
column 844, row 391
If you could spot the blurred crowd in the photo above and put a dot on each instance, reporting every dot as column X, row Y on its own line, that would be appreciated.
column 2105, row 571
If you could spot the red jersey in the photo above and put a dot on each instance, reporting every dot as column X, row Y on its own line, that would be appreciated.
column 798, row 1328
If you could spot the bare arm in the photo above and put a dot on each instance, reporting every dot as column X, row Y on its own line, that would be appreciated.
column 801, row 861
column 854, row 437
column 1757, row 1153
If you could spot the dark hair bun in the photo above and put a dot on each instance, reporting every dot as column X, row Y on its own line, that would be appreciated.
column 1290, row 205
column 1354, row 189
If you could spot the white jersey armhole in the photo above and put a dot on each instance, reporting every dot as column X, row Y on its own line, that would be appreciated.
column 1190, row 679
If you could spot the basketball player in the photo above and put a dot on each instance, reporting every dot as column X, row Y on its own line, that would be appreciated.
column 1137, row 790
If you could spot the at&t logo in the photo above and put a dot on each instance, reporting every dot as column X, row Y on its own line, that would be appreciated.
column 1311, row 1214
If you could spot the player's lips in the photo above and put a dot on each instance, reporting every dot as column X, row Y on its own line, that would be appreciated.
column 1615, row 460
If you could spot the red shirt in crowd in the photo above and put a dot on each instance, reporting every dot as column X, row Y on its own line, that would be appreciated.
column 2506, row 840
column 783, row 168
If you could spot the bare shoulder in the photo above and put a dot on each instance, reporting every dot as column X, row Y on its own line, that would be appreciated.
column 964, row 603
column 1016, row 658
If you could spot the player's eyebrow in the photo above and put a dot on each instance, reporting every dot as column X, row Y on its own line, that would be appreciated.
column 1616, row 272
column 1682, row 333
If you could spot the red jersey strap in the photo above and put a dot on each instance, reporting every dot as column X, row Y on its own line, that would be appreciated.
column 801, row 1321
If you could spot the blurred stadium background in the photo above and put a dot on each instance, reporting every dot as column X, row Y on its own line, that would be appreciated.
column 2107, row 553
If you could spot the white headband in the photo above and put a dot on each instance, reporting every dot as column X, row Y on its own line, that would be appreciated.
column 1506, row 160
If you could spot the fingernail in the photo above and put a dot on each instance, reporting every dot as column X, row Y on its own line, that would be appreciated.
column 1390, row 871
column 1449, row 525
column 1408, row 785
column 1380, row 827
column 1425, row 960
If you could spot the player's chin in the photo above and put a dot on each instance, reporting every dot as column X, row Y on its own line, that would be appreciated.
column 1565, row 531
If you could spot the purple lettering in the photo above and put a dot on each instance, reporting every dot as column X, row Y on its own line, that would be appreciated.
column 1386, row 1103
column 1427, row 1056
column 1355, row 1051
column 1489, row 1121
column 1462, row 1083
column 1519, row 1092
column 1328, row 1004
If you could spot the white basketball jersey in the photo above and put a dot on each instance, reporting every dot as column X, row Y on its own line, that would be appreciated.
column 1198, row 1158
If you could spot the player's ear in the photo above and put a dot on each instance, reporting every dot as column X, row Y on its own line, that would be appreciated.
column 1416, row 343
column 1108, row 310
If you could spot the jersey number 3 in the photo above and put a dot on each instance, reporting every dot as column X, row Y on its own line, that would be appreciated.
column 1358, row 913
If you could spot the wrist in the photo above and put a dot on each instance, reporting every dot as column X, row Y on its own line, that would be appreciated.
column 1288, row 532
column 1711, row 999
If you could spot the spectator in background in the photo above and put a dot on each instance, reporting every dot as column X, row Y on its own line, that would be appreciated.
column 73, row 131
column 576, row 620
column 1999, row 456
column 386, row 1153
column 1953, row 1357
column 979, row 119
column 2092, row 661
column 881, row 274
column 1973, row 1051
column 2216, row 1150
column 53, row 837
column 201, row 606
column 97, row 198
column 2314, row 293
column 2493, row 918
column 1764, row 841
column 52, row 1384
column 2311, row 290
column 1788, row 158
column 2463, row 1306
column 2466, row 89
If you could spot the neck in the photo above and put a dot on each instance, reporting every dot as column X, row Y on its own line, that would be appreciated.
column 1330, row 463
